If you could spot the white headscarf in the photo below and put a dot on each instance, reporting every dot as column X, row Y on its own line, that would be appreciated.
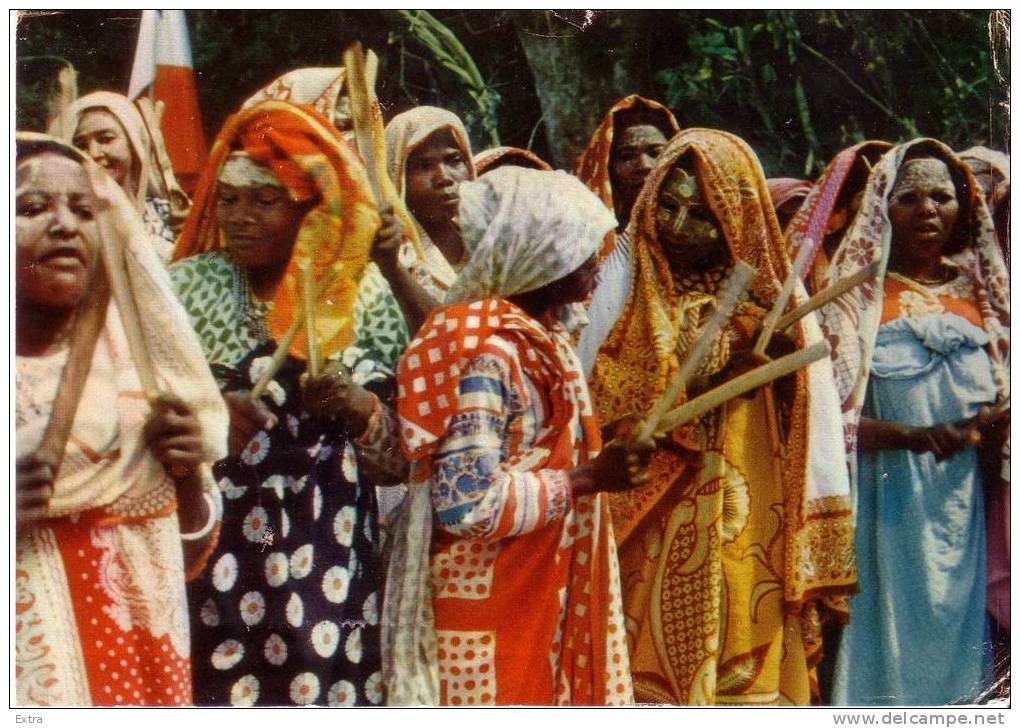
column 144, row 301
column 155, row 177
column 525, row 228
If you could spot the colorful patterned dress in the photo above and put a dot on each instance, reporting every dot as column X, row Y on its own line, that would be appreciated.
column 288, row 612
column 525, row 585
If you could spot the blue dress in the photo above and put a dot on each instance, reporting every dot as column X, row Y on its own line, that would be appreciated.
column 917, row 625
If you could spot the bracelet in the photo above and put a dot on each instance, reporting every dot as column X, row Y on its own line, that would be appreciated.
column 213, row 502
column 208, row 527
column 372, row 424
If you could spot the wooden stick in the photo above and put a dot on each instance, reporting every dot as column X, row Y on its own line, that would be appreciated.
column 769, row 326
column 827, row 295
column 87, row 327
column 370, row 136
column 288, row 338
column 113, row 256
column 307, row 286
column 744, row 383
column 732, row 289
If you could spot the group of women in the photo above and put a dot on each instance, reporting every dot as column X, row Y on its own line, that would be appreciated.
column 360, row 456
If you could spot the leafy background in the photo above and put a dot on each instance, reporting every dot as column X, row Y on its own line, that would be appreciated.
column 797, row 85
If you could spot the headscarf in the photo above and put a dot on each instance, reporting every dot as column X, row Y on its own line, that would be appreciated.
column 155, row 175
column 143, row 299
column 637, row 358
column 851, row 322
column 785, row 189
column 525, row 228
column 810, row 224
column 998, row 162
column 407, row 131
column 320, row 88
column 594, row 165
column 305, row 152
column 488, row 158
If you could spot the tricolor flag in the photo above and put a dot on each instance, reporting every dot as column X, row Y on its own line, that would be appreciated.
column 163, row 67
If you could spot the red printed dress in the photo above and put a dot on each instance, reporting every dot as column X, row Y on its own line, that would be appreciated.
column 494, row 412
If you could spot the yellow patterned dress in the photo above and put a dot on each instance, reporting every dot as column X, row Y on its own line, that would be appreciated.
column 726, row 554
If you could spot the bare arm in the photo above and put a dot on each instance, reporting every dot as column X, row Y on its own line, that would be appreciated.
column 415, row 301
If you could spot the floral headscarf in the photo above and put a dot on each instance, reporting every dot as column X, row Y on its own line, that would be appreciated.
column 320, row 88
column 306, row 153
column 851, row 322
column 810, row 224
column 488, row 158
column 633, row 366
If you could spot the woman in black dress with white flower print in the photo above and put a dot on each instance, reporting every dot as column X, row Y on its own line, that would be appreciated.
column 288, row 611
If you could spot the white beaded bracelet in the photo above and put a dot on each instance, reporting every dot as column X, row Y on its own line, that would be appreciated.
column 213, row 501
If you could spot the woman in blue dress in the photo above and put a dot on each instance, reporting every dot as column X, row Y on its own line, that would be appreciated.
column 921, row 360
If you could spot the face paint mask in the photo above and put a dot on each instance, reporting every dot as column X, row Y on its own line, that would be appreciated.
column 687, row 230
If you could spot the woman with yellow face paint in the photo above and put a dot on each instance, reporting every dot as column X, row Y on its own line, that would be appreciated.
column 745, row 522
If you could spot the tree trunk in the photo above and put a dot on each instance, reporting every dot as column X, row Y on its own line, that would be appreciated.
column 578, row 77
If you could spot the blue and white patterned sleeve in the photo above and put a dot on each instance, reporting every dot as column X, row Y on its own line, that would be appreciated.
column 481, row 486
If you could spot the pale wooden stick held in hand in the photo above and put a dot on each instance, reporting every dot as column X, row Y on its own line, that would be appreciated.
column 827, row 295
column 370, row 135
column 740, row 385
column 307, row 286
column 732, row 289
column 769, row 326
column 288, row 338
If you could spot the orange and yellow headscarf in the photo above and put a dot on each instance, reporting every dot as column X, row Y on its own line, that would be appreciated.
column 305, row 152
column 593, row 165
column 633, row 365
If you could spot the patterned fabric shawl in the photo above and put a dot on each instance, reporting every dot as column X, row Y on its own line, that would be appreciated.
column 635, row 362
column 320, row 88
column 489, row 158
column 851, row 323
column 810, row 224
column 307, row 154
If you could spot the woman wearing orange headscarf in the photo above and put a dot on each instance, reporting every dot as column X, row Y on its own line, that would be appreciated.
column 621, row 153
column 288, row 613
column 746, row 519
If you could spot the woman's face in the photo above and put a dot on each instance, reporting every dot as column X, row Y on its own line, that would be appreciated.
column 631, row 160
column 55, row 232
column 923, row 208
column 260, row 224
column 434, row 170
column 101, row 136
column 687, row 230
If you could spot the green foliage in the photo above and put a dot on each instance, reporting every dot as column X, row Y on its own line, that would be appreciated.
column 797, row 85
column 453, row 56
column 800, row 86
